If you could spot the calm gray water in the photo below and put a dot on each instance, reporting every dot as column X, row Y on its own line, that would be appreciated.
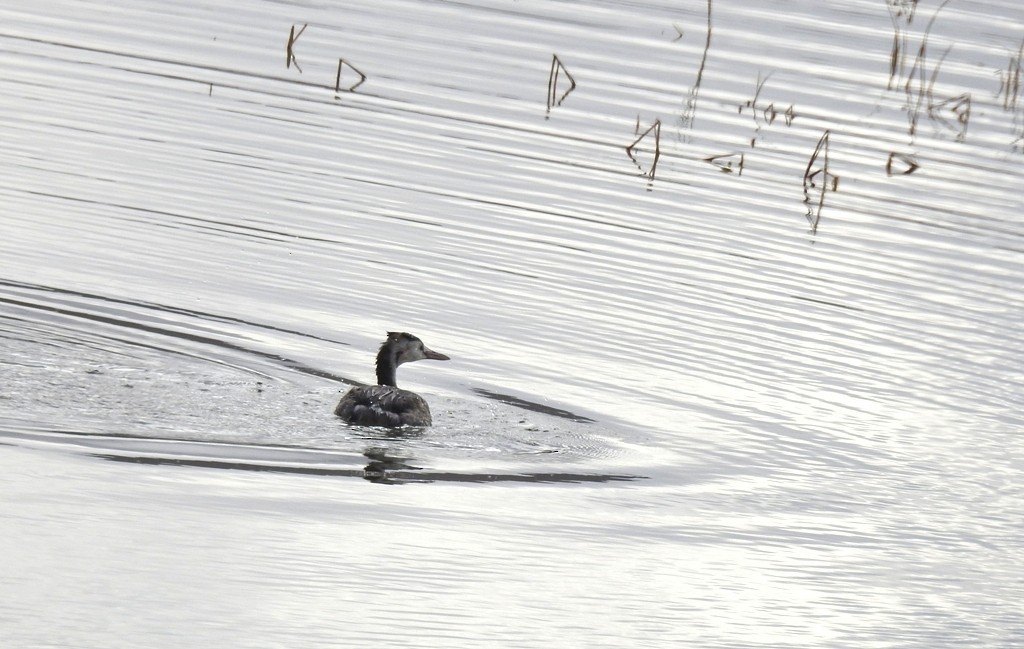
column 734, row 319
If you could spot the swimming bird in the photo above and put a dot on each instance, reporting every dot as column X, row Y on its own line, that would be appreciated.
column 385, row 404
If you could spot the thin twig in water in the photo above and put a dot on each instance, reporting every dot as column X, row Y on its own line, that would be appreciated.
column 1009, row 84
column 909, row 161
column 904, row 10
column 959, row 107
column 789, row 115
column 337, row 79
column 690, row 110
column 289, row 49
column 656, row 129
column 1009, row 88
column 752, row 103
column 829, row 181
column 724, row 163
column 764, row 115
column 769, row 113
column 920, row 64
column 553, row 98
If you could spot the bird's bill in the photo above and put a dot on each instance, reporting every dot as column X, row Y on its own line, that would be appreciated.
column 437, row 356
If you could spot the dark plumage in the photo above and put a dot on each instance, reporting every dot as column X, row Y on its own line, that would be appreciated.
column 385, row 404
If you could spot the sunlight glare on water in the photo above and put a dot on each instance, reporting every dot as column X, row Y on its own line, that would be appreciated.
column 733, row 306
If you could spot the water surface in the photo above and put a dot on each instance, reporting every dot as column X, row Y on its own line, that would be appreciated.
column 756, row 384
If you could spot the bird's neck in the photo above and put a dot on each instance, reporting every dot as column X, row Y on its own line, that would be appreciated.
column 386, row 367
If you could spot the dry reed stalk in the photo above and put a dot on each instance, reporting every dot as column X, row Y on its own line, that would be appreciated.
column 556, row 68
column 289, row 51
column 337, row 79
column 656, row 129
column 829, row 181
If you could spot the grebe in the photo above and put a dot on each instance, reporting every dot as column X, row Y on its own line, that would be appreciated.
column 385, row 404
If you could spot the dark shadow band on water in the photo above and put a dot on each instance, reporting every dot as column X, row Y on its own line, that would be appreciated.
column 116, row 321
column 375, row 472
column 532, row 406
column 380, row 464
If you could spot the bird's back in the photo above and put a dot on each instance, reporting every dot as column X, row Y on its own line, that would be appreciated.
column 383, row 405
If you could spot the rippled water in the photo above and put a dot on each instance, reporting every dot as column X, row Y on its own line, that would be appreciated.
column 734, row 322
